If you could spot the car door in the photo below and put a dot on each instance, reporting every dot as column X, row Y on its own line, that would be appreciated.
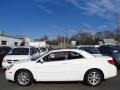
column 54, row 68
column 78, row 65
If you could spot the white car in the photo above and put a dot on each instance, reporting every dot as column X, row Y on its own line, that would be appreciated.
column 18, row 54
column 63, row 65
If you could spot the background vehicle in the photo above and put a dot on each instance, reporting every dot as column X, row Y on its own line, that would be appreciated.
column 88, row 48
column 21, row 53
column 3, row 51
column 42, row 50
column 63, row 65
column 113, row 51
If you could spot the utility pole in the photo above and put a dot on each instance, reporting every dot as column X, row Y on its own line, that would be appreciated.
column 60, row 39
column 65, row 39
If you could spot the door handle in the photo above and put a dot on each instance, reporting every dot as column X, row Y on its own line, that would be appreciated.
column 64, row 63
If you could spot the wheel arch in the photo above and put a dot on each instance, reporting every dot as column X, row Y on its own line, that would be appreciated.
column 94, row 69
column 21, row 70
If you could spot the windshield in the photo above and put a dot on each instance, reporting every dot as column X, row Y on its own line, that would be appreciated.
column 91, row 50
column 19, row 51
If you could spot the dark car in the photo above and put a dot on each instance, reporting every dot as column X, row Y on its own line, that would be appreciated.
column 88, row 48
column 3, row 51
column 113, row 51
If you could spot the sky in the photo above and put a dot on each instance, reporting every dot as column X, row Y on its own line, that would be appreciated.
column 35, row 18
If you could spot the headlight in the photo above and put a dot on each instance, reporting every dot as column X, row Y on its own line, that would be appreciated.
column 9, row 67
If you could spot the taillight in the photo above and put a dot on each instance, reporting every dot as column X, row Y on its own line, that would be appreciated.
column 111, row 62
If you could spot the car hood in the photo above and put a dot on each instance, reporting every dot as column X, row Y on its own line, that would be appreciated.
column 16, row 57
column 24, row 64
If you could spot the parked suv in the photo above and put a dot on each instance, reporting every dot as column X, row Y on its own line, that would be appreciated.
column 113, row 51
column 3, row 51
column 21, row 53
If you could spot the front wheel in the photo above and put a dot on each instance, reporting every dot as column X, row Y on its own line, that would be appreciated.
column 93, row 77
column 24, row 78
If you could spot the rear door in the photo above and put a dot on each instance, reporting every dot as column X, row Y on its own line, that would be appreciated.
column 78, row 65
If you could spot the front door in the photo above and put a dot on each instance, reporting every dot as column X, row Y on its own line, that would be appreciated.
column 54, row 68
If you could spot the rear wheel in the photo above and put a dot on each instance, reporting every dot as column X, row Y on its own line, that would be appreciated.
column 24, row 78
column 93, row 77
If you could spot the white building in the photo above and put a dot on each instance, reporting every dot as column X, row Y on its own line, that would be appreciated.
column 38, row 44
column 6, row 40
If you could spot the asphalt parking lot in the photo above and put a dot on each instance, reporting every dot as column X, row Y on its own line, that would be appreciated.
column 110, row 84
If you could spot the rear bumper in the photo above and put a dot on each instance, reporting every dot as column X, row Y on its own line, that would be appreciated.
column 110, row 72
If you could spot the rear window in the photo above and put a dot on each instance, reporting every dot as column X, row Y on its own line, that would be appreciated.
column 19, row 51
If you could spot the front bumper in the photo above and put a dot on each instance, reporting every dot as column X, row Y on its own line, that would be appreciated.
column 9, row 75
column 5, row 65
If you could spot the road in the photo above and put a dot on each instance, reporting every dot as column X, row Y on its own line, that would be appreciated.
column 110, row 84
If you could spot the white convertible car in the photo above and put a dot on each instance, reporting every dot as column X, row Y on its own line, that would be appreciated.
column 63, row 65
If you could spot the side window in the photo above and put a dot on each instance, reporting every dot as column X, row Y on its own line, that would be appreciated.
column 74, row 55
column 102, row 49
column 38, row 50
column 108, row 51
column 31, row 51
column 35, row 50
column 56, row 56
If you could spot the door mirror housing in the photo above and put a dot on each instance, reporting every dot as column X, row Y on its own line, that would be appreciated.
column 41, row 61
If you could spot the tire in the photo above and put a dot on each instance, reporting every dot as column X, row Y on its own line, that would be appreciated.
column 93, row 77
column 24, row 78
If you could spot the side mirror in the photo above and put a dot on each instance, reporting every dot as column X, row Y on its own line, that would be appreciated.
column 41, row 61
